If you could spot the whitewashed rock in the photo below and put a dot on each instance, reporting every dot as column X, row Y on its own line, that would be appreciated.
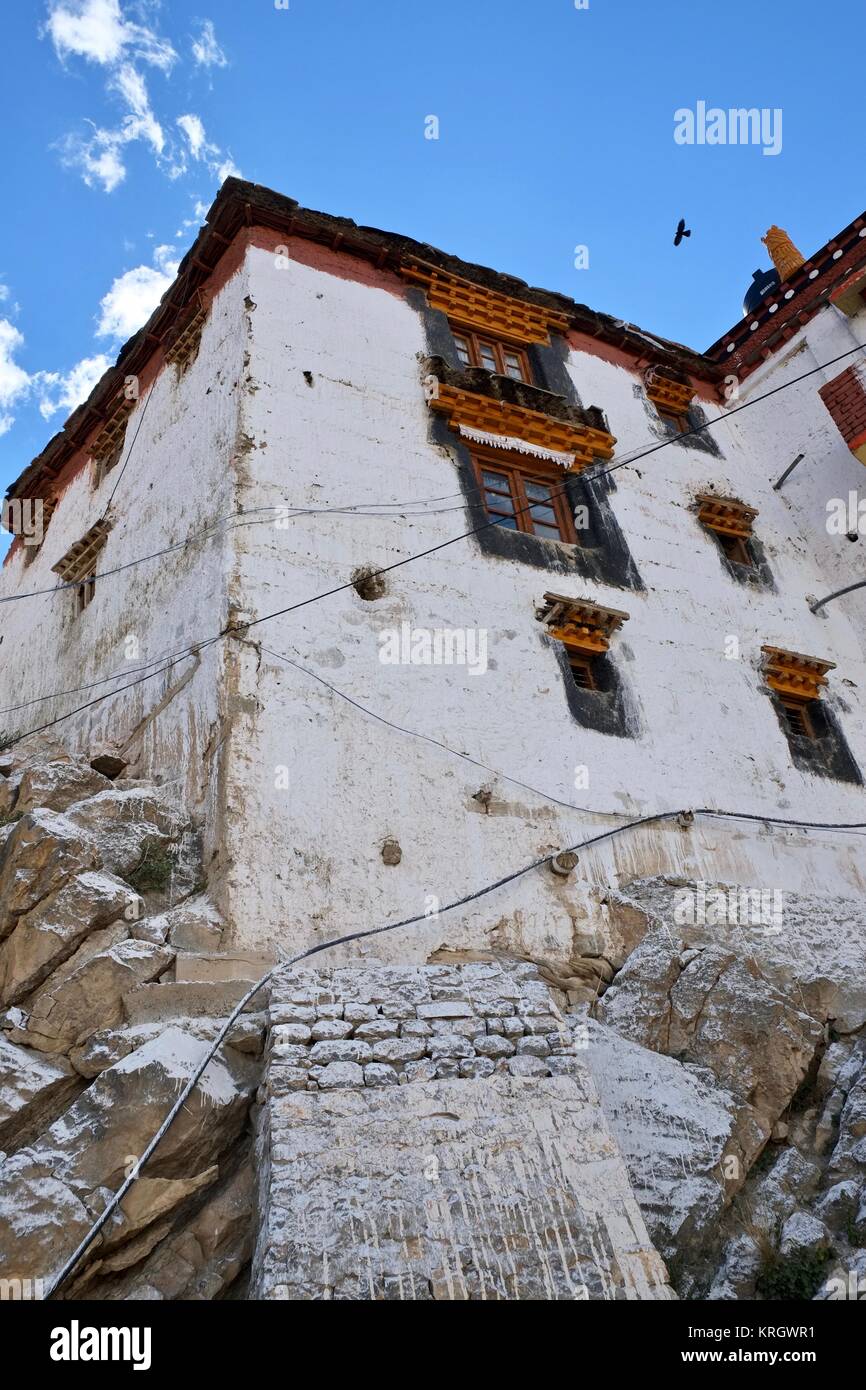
column 341, row 1050
column 44, row 851
column 330, row 1029
column 378, row 1074
column 33, row 1090
column 376, row 1029
column 399, row 1051
column 337, row 1075
column 55, row 785
column 526, row 1066
column 87, row 993
column 52, row 931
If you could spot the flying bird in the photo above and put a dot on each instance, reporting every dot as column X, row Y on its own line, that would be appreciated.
column 682, row 230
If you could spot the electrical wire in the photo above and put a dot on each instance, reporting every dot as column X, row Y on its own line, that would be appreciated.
column 515, row 781
column 592, row 475
column 365, row 934
column 252, row 517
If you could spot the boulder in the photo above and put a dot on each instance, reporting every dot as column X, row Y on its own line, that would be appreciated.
column 57, row 784
column 51, row 1192
column 687, row 1142
column 44, row 851
column 86, row 994
column 712, row 1008
column 33, row 1091
column 52, row 931
column 41, row 1219
column 129, row 824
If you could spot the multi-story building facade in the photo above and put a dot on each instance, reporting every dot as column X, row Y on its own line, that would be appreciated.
column 402, row 576
column 340, row 400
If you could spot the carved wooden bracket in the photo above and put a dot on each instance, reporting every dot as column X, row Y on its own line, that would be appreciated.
column 792, row 674
column 666, row 392
column 475, row 306
column 725, row 515
column 584, row 627
column 78, row 561
column 493, row 416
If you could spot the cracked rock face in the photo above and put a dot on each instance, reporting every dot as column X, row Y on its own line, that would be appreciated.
column 81, row 1090
column 711, row 1008
column 694, row 1096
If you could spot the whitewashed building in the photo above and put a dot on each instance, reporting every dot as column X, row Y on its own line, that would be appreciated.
column 313, row 401
column 407, row 580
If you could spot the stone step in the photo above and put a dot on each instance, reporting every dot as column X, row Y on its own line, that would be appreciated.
column 164, row 1002
column 211, row 967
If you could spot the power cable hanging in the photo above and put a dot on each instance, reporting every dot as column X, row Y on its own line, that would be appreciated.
column 504, row 776
column 442, row 545
column 591, row 475
column 113, row 1203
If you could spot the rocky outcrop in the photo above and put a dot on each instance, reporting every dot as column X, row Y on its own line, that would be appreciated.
column 709, row 1007
column 99, row 894
column 693, row 1095
column 769, row 1012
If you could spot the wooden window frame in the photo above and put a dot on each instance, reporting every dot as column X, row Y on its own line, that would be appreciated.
column 500, row 347
column 736, row 548
column 801, row 712
column 85, row 591
column 519, row 470
column 581, row 663
column 672, row 417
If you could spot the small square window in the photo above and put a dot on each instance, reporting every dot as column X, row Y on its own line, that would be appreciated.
column 582, row 671
column 798, row 718
column 736, row 548
column 85, row 591
column 679, row 422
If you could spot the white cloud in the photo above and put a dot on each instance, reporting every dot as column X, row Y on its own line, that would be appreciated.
column 205, row 50
column 98, row 159
column 66, row 390
column 201, row 149
column 134, row 295
column 227, row 169
column 14, row 381
column 98, row 31
column 193, row 129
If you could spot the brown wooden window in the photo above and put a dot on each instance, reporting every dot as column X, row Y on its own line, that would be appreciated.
column 85, row 591
column 798, row 717
column 736, row 548
column 582, row 671
column 477, row 350
column 520, row 498
column 679, row 422
column 78, row 566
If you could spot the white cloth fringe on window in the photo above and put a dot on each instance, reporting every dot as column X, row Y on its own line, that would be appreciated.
column 517, row 446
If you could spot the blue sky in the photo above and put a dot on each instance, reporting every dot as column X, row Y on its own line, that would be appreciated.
column 556, row 130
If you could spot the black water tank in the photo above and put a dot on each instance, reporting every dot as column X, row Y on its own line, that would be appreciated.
column 762, row 282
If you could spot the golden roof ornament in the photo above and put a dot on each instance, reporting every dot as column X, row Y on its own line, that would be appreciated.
column 785, row 256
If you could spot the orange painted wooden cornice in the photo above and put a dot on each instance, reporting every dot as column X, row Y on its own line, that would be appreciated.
column 77, row 563
column 585, row 628
column 479, row 412
column 726, row 515
column 667, row 393
column 487, row 311
column 113, row 430
column 795, row 675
